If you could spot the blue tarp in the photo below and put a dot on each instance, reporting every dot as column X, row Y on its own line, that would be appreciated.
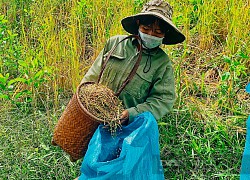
column 133, row 154
column 245, row 164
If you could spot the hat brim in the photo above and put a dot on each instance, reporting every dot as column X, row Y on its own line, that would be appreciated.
column 173, row 35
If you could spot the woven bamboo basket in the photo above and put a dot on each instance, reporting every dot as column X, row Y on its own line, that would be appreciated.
column 76, row 126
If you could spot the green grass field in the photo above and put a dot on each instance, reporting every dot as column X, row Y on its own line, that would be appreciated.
column 47, row 46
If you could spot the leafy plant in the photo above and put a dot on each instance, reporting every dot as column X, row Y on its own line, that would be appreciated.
column 9, row 49
column 231, row 78
column 21, row 90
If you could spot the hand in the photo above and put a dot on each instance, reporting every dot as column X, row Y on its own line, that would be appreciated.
column 124, row 117
column 124, row 114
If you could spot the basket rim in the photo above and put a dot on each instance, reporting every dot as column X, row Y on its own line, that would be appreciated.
column 81, row 105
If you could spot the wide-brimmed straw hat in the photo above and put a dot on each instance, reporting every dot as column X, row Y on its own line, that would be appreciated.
column 162, row 10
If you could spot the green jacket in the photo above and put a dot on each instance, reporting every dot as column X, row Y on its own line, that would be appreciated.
column 151, row 89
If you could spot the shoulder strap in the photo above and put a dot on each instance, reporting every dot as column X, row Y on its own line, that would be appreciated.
column 133, row 71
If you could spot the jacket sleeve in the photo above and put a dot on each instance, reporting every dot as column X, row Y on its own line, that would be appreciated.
column 161, row 97
column 94, row 71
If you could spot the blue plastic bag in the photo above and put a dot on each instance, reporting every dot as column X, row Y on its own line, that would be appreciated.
column 133, row 154
column 245, row 164
column 248, row 88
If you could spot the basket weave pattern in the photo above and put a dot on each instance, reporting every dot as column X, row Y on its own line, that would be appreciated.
column 74, row 130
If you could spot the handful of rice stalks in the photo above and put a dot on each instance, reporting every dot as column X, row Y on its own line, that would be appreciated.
column 102, row 103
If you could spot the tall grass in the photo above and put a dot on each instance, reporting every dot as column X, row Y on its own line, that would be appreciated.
column 47, row 46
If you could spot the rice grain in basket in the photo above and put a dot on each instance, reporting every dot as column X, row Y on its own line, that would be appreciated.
column 101, row 102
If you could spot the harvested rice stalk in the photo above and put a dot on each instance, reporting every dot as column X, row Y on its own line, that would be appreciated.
column 102, row 103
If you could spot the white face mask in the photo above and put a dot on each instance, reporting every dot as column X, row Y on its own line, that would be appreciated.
column 150, row 42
